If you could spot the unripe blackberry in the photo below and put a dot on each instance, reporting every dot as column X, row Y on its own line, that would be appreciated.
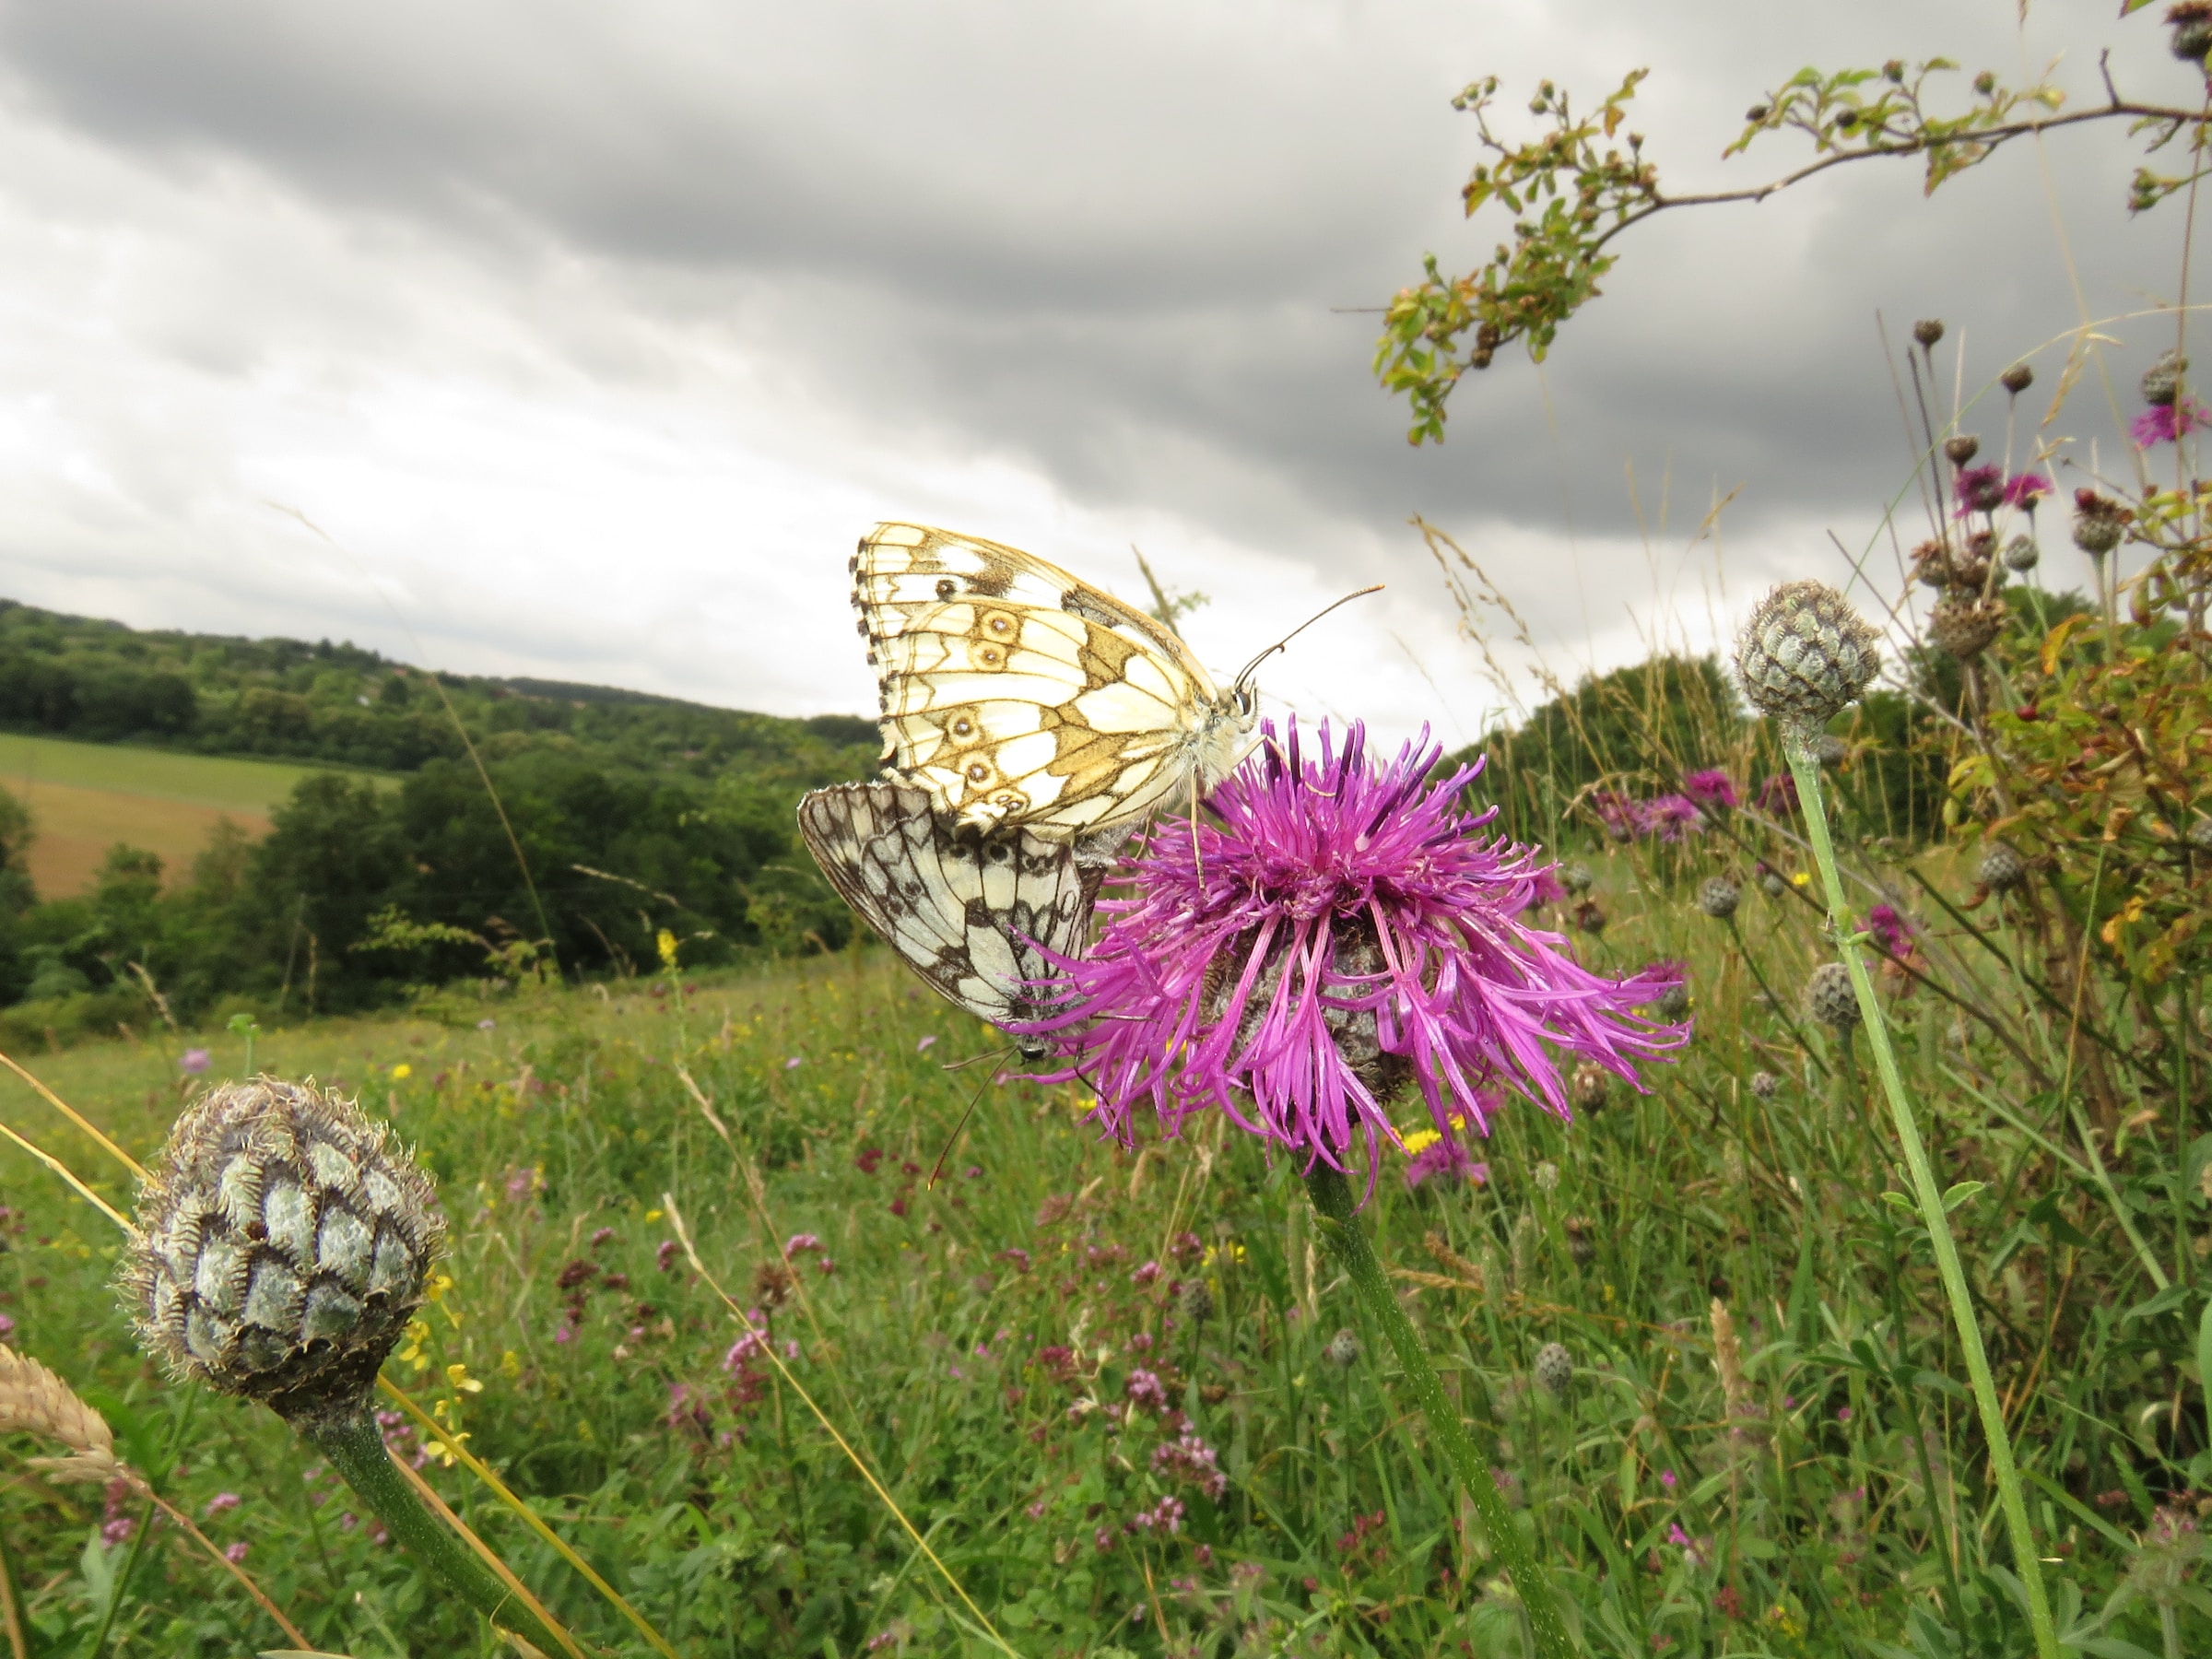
column 1342, row 1350
column 1575, row 878
column 1804, row 656
column 2016, row 379
column 1718, row 897
column 2162, row 381
column 2001, row 868
column 1962, row 448
column 1554, row 1368
column 2021, row 554
column 1197, row 1302
column 1591, row 1084
column 280, row 1248
column 1829, row 996
column 1966, row 628
column 1927, row 331
column 1765, row 1085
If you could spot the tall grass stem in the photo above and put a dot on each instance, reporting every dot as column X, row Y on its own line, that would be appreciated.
column 1806, row 769
column 1334, row 1203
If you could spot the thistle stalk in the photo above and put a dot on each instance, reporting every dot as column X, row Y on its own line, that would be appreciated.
column 1339, row 1222
column 1804, row 768
column 356, row 1449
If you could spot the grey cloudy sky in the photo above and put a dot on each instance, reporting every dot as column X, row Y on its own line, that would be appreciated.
column 591, row 337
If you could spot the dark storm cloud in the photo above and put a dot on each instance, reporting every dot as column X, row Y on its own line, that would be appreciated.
column 1125, row 247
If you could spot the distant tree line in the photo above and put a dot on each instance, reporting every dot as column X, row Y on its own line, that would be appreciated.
column 626, row 818
column 100, row 682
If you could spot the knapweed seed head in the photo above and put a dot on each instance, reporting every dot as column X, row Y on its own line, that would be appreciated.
column 1966, row 628
column 1718, row 897
column 1804, row 656
column 2021, row 554
column 1927, row 331
column 2200, row 834
column 1829, row 996
column 1342, row 1349
column 1962, row 447
column 1765, row 1085
column 1345, row 930
column 1830, row 750
column 2016, row 379
column 280, row 1246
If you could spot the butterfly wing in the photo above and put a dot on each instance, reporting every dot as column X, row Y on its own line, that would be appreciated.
column 1016, row 694
column 968, row 913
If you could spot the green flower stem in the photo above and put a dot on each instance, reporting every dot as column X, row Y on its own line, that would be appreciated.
column 357, row 1450
column 1339, row 1224
column 1806, row 770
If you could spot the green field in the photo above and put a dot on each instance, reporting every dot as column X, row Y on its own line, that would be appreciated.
column 252, row 788
column 86, row 797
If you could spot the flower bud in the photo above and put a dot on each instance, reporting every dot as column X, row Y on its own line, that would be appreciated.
column 2016, row 379
column 1718, row 897
column 1804, row 656
column 1962, row 448
column 2161, row 382
column 1554, row 1368
column 1765, row 1085
column 2021, row 554
column 1927, row 331
column 2099, row 523
column 1830, row 998
column 1342, row 1350
column 279, row 1249
column 2001, row 868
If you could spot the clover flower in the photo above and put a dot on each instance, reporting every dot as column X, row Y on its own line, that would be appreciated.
column 1346, row 929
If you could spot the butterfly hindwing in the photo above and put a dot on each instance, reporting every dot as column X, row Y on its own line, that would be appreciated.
column 1016, row 694
column 967, row 911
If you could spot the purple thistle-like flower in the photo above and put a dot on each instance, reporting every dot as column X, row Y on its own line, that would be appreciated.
column 1778, row 796
column 2023, row 490
column 2166, row 423
column 1890, row 930
column 1347, row 928
column 1672, row 816
column 1980, row 489
column 1444, row 1159
column 1711, row 787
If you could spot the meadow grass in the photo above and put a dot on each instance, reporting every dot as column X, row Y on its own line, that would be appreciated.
column 1764, row 1448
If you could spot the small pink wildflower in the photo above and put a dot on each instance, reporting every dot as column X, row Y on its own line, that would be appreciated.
column 220, row 1502
column 1144, row 1389
column 236, row 1553
column 798, row 1244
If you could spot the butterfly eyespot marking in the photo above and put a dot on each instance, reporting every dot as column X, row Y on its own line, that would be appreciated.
column 963, row 728
column 946, row 587
column 990, row 656
column 999, row 625
column 978, row 771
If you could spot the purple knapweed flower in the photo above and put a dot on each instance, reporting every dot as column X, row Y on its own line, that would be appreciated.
column 2166, row 423
column 2023, row 490
column 194, row 1060
column 1444, row 1159
column 1672, row 816
column 1890, row 931
column 1980, row 489
column 1347, row 927
column 1711, row 787
column 1778, row 796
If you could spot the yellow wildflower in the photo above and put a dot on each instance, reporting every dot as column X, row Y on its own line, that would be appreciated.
column 1421, row 1140
column 402, row 1071
column 664, row 942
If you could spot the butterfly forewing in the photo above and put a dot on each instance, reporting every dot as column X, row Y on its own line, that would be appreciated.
column 1015, row 694
column 967, row 911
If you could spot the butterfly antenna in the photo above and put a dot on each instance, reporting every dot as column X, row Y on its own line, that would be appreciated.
column 1252, row 667
column 997, row 1053
column 953, row 1139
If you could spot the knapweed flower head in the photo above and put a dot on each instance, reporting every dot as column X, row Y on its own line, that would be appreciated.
column 2168, row 423
column 1347, row 928
column 1980, row 489
column 1711, row 787
column 2023, row 490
